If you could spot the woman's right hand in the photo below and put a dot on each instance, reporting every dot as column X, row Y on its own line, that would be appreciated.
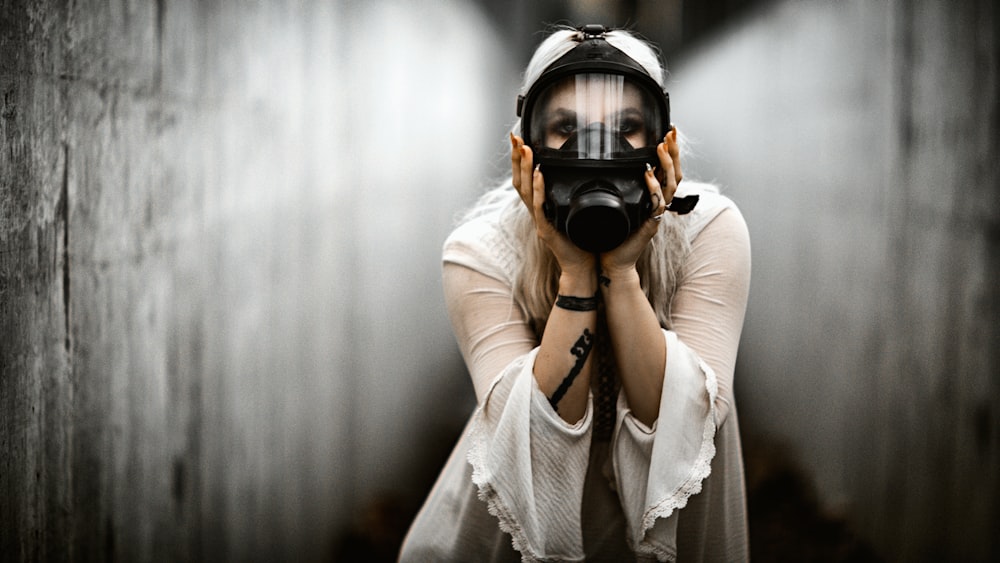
column 565, row 329
column 530, row 185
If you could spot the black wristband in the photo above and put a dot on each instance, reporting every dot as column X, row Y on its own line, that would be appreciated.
column 571, row 303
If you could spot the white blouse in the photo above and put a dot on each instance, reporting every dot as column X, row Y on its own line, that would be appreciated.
column 524, row 484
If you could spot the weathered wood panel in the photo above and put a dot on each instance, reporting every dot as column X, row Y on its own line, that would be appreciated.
column 222, row 327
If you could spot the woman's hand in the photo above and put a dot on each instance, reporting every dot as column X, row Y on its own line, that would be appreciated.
column 632, row 323
column 530, row 185
column 662, row 184
column 563, row 354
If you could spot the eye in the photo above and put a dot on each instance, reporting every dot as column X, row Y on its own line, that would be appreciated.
column 630, row 125
column 564, row 127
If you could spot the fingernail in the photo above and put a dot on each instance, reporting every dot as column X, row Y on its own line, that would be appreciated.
column 538, row 167
column 648, row 168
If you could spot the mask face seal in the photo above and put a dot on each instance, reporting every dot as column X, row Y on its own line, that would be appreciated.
column 593, row 120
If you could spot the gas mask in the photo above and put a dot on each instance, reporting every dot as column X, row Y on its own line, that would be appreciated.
column 593, row 120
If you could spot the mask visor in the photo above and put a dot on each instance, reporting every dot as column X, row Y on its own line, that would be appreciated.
column 597, row 116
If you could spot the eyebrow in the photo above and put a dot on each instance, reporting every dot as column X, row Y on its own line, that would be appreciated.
column 563, row 112
column 628, row 112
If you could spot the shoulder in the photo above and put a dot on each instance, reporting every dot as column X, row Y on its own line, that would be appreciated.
column 481, row 241
column 711, row 204
column 720, row 240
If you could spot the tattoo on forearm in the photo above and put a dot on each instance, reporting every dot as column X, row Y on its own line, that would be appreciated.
column 581, row 350
column 604, row 280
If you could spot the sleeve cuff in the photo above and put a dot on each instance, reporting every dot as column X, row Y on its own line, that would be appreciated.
column 542, row 409
column 528, row 465
column 658, row 469
column 629, row 423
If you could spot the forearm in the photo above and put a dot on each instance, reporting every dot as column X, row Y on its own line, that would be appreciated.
column 637, row 342
column 563, row 365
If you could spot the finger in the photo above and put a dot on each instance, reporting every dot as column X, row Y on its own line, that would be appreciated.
column 538, row 195
column 668, row 177
column 515, row 162
column 526, row 171
column 674, row 150
column 656, row 196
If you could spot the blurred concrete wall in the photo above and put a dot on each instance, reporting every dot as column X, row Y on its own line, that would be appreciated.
column 222, row 333
column 861, row 141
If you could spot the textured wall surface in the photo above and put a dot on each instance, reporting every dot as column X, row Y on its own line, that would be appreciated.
column 222, row 328
column 860, row 140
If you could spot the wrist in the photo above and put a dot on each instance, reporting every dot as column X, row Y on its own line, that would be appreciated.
column 614, row 278
column 578, row 284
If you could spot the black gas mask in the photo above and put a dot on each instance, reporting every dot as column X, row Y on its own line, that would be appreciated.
column 593, row 120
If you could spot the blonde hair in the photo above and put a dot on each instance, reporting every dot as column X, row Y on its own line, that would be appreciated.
column 536, row 271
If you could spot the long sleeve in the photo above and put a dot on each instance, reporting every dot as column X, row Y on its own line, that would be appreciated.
column 710, row 303
column 658, row 469
column 528, row 464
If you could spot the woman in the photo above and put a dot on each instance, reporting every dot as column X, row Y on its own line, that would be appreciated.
column 605, row 428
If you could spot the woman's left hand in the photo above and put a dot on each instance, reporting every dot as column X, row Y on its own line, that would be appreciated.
column 662, row 183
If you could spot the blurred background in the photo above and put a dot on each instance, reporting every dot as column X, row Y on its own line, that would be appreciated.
column 222, row 334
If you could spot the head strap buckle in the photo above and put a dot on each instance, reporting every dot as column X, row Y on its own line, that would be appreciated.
column 593, row 31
